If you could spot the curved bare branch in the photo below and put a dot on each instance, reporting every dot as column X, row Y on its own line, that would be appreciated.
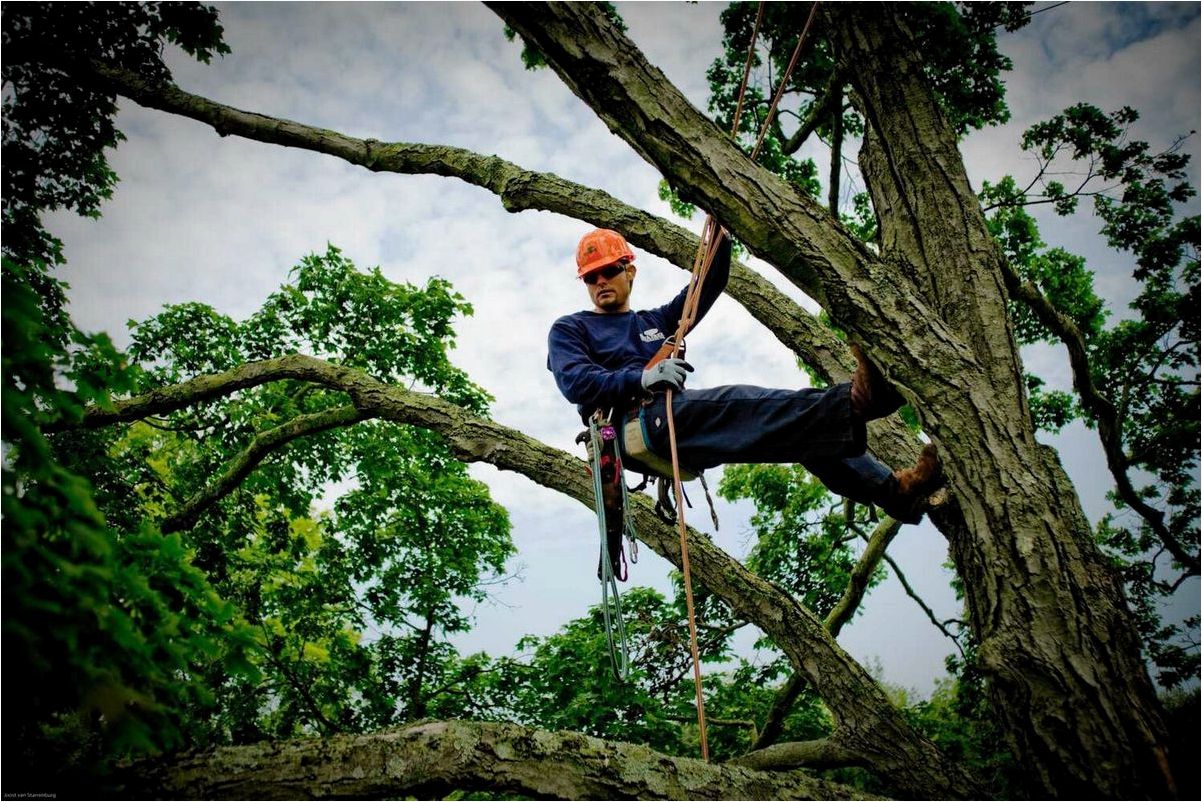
column 939, row 625
column 260, row 447
column 519, row 189
column 1103, row 411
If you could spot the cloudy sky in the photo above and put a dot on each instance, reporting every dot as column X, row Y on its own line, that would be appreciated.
column 198, row 217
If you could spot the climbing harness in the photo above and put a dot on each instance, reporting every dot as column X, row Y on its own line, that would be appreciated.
column 711, row 236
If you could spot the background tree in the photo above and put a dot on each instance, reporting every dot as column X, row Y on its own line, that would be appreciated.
column 349, row 612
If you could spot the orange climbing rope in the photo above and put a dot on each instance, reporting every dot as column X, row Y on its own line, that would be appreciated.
column 711, row 237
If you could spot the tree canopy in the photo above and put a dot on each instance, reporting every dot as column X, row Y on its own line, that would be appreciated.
column 238, row 530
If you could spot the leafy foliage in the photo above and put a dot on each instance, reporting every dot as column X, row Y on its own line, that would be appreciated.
column 57, row 126
column 1146, row 363
column 962, row 63
column 260, row 621
column 565, row 681
column 351, row 609
column 99, row 624
column 959, row 719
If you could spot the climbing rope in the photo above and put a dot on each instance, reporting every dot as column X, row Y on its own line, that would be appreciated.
column 711, row 237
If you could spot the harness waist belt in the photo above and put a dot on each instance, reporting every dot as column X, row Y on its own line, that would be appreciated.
column 636, row 445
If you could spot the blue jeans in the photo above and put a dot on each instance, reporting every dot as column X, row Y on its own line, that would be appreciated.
column 742, row 423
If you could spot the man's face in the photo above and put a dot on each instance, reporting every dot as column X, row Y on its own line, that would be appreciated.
column 609, row 287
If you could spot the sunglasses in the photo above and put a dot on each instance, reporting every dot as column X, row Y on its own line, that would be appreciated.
column 608, row 272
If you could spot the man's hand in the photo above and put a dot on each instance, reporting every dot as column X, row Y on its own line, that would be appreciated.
column 667, row 373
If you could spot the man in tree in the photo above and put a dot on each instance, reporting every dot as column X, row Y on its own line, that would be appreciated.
column 602, row 359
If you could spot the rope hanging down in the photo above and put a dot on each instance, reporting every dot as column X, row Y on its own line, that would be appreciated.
column 711, row 236
column 619, row 652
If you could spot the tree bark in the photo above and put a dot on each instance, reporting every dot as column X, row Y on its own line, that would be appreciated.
column 430, row 760
column 867, row 724
column 1057, row 641
column 1056, row 636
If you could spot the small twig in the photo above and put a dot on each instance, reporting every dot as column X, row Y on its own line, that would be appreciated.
column 941, row 626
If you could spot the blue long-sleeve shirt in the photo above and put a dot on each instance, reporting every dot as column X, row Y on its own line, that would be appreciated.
column 598, row 358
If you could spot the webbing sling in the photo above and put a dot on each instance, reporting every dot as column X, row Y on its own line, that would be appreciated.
column 711, row 237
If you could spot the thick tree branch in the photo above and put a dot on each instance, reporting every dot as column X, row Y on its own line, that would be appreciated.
column 430, row 760
column 210, row 386
column 839, row 615
column 1101, row 409
column 868, row 722
column 263, row 444
column 518, row 189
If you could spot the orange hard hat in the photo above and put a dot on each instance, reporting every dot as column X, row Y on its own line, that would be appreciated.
column 599, row 248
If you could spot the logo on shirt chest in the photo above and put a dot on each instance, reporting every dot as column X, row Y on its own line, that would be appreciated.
column 652, row 335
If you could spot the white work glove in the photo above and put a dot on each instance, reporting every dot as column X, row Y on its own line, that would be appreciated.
column 667, row 373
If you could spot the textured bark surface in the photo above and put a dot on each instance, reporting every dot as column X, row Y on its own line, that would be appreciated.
column 868, row 727
column 430, row 760
column 1055, row 635
column 1056, row 639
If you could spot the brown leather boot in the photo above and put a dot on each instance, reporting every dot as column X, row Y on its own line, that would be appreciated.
column 906, row 499
column 872, row 396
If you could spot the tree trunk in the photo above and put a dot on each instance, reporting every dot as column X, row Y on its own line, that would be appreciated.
column 416, row 707
column 433, row 759
column 1056, row 638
